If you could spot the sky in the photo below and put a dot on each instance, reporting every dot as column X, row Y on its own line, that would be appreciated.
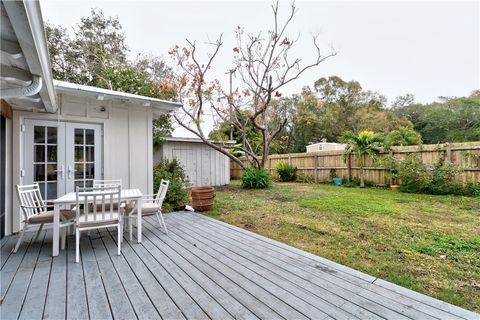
column 429, row 48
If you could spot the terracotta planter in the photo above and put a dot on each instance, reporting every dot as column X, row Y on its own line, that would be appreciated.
column 393, row 187
column 202, row 198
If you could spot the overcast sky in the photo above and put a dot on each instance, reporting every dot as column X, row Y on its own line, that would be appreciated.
column 428, row 48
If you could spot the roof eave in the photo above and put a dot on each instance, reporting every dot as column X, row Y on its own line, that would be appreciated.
column 28, row 25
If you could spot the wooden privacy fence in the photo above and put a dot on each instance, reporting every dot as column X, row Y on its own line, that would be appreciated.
column 318, row 165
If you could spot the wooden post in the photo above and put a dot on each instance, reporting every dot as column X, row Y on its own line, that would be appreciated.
column 5, row 109
column 315, row 168
column 448, row 152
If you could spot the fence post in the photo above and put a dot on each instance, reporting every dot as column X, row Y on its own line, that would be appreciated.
column 448, row 152
column 289, row 160
column 315, row 168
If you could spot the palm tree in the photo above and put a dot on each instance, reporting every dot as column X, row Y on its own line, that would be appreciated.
column 365, row 143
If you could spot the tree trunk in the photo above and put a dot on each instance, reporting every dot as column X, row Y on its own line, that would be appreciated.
column 362, row 172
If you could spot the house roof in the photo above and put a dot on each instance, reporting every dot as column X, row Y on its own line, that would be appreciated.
column 26, row 77
column 105, row 94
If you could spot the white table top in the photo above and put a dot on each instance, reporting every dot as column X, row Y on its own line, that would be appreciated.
column 126, row 194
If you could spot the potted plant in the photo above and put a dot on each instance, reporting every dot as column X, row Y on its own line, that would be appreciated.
column 335, row 179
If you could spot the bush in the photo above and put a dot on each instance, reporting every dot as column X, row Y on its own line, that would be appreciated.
column 442, row 180
column 304, row 178
column 173, row 171
column 411, row 173
column 256, row 178
column 286, row 172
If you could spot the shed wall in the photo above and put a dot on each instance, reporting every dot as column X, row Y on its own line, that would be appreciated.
column 127, row 141
column 204, row 165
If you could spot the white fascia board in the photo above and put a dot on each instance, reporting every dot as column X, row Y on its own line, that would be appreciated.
column 89, row 91
column 27, row 22
column 196, row 140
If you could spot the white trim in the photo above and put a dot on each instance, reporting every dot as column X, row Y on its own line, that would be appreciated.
column 83, row 90
column 8, row 177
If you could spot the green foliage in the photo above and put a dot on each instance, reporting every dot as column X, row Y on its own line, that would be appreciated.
column 449, row 120
column 403, row 136
column 304, row 178
column 442, row 178
column 286, row 172
column 256, row 178
column 366, row 143
column 173, row 171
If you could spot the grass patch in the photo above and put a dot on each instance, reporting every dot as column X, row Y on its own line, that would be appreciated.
column 427, row 243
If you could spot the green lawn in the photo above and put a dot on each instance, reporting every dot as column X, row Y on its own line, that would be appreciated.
column 430, row 244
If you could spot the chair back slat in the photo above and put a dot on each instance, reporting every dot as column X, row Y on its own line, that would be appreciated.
column 95, row 202
column 107, row 183
column 31, row 200
column 162, row 192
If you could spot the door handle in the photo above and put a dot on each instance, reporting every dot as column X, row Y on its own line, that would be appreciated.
column 61, row 171
column 70, row 171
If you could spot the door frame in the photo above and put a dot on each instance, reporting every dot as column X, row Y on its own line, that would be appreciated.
column 65, row 146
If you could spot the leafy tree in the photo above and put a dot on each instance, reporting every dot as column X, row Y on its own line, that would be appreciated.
column 448, row 120
column 404, row 136
column 96, row 55
column 366, row 143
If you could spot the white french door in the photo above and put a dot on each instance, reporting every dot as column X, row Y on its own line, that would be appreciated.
column 61, row 155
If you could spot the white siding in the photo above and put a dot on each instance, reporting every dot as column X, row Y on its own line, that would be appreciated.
column 204, row 166
column 127, row 141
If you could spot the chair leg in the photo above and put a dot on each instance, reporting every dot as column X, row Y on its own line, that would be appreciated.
column 38, row 233
column 77, row 245
column 130, row 228
column 120, row 236
column 63, row 237
column 20, row 239
column 160, row 217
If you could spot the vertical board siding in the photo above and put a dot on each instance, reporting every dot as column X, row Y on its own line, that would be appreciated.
column 204, row 166
column 334, row 160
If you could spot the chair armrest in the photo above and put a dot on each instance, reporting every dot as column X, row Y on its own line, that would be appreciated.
column 33, row 207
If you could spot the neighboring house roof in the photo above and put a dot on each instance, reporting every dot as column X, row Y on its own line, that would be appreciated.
column 25, row 77
column 196, row 140
column 105, row 94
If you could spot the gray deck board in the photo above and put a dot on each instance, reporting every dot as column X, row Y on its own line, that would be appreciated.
column 203, row 269
column 403, row 304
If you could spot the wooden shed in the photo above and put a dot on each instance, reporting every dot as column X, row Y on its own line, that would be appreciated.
column 204, row 165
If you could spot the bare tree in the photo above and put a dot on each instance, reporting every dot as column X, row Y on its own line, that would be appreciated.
column 264, row 66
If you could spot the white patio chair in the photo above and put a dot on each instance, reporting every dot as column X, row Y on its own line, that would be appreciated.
column 151, row 204
column 35, row 213
column 107, row 183
column 95, row 209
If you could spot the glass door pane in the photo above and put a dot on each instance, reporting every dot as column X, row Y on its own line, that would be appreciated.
column 45, row 157
column 83, row 155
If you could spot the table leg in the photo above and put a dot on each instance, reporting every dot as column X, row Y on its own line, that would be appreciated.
column 139, row 220
column 56, row 229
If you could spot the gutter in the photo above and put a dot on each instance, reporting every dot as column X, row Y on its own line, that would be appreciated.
column 27, row 22
column 27, row 91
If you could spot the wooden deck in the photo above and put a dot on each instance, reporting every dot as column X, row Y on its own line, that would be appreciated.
column 202, row 269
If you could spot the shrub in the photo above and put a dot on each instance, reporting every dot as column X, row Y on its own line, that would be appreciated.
column 173, row 171
column 256, row 178
column 411, row 173
column 304, row 178
column 442, row 180
column 286, row 172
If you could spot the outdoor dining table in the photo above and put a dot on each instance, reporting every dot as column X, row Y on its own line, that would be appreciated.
column 71, row 199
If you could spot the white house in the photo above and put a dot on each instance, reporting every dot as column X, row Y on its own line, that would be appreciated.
column 60, row 134
column 325, row 146
column 203, row 165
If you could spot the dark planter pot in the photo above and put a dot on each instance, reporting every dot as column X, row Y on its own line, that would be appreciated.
column 202, row 198
column 337, row 181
